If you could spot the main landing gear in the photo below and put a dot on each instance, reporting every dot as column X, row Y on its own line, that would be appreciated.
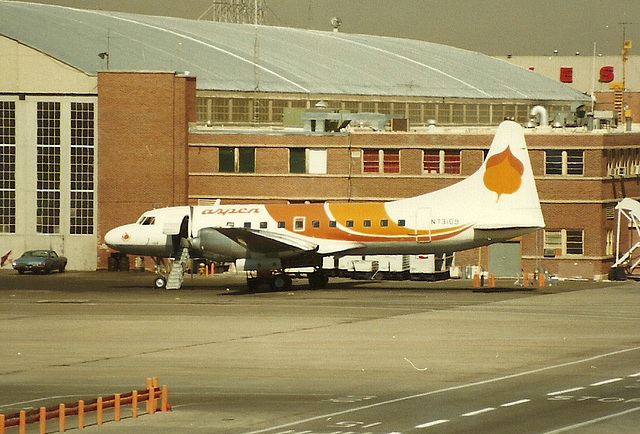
column 280, row 281
column 274, row 281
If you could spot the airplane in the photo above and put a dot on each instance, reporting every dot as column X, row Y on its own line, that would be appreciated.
column 496, row 203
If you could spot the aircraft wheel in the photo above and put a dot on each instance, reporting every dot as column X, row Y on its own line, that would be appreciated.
column 318, row 280
column 253, row 284
column 280, row 282
column 160, row 282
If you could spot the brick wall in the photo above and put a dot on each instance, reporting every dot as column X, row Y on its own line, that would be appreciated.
column 142, row 151
column 148, row 157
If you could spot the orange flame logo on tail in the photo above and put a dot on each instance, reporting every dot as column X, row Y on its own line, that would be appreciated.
column 503, row 173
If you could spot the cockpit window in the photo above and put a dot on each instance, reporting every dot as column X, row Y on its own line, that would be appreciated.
column 148, row 221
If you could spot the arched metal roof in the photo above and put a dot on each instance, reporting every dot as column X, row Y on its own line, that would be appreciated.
column 241, row 57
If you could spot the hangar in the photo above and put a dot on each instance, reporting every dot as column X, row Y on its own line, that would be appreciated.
column 105, row 115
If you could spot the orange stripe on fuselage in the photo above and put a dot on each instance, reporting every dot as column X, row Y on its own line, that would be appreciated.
column 374, row 213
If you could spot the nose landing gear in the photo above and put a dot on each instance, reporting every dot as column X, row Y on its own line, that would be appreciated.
column 162, row 272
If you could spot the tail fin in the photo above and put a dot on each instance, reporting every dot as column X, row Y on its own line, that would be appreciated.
column 500, row 194
column 506, row 179
column 504, row 190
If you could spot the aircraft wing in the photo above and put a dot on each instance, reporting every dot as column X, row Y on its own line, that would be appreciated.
column 265, row 242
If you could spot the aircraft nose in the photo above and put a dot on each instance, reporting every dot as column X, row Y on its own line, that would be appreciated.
column 115, row 237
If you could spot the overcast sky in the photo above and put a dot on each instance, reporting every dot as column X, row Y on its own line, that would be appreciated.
column 494, row 27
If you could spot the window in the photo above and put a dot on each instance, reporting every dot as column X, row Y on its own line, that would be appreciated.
column 263, row 225
column 349, row 223
column 305, row 160
column 317, row 161
column 402, row 222
column 333, row 223
column 559, row 162
column 281, row 225
column 227, row 160
column 366, row 223
column 610, row 243
column 241, row 160
column 297, row 160
column 553, row 162
column 315, row 223
column 441, row 161
column 82, row 168
column 384, row 223
column 564, row 241
column 575, row 163
column 575, row 242
column 431, row 161
column 247, row 160
column 247, row 225
column 7, row 167
column 553, row 239
column 370, row 161
column 372, row 158
column 148, row 221
column 48, row 168
column 452, row 162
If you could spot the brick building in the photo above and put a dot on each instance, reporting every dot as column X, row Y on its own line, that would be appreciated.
column 580, row 174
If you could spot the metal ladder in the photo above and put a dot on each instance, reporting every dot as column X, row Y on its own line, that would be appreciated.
column 176, row 276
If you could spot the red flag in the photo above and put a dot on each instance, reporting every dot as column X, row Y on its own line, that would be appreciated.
column 4, row 258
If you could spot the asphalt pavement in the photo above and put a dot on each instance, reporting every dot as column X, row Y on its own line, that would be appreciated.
column 357, row 357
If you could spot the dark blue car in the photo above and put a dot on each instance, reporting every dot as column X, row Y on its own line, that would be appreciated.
column 40, row 261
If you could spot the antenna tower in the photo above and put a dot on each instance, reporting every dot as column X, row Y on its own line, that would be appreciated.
column 236, row 11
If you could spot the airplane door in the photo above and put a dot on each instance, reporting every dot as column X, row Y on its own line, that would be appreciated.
column 423, row 225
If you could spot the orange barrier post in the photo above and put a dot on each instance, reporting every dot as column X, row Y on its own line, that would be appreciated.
column 492, row 281
column 165, row 397
column 99, row 411
column 541, row 281
column 134, row 404
column 525, row 281
column 476, row 280
column 116, row 407
column 213, row 268
column 61, row 415
column 2, row 420
column 43, row 420
column 148, row 403
column 81, row 414
column 152, row 400
column 22, row 427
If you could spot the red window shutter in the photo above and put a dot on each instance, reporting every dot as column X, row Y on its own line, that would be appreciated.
column 431, row 161
column 452, row 162
column 370, row 161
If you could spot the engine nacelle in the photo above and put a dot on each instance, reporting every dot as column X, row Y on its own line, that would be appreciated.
column 211, row 244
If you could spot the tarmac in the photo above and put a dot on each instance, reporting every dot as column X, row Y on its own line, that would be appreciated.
column 357, row 357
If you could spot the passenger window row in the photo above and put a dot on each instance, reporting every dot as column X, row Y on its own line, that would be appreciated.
column 299, row 224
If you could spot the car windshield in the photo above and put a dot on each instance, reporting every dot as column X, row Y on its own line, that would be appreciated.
column 37, row 253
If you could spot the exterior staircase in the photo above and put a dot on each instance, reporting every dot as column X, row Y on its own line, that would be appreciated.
column 176, row 276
